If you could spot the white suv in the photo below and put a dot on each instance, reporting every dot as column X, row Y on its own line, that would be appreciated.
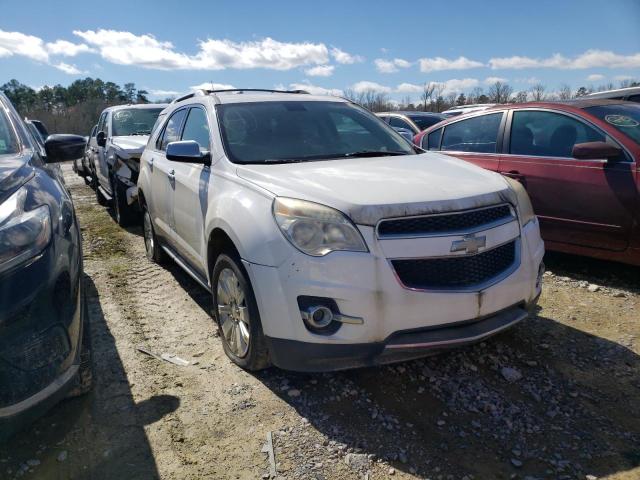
column 326, row 240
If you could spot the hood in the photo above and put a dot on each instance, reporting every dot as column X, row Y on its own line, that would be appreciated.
column 131, row 145
column 369, row 189
column 15, row 170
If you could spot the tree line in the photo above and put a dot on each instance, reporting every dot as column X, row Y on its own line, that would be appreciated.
column 72, row 109
column 75, row 109
column 433, row 99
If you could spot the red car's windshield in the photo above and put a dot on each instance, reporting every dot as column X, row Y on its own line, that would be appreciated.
column 624, row 118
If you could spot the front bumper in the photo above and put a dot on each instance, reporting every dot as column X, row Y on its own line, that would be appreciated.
column 363, row 285
column 400, row 346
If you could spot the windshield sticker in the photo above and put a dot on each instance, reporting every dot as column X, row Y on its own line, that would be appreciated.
column 621, row 121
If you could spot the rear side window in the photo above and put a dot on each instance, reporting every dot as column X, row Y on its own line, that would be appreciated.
column 548, row 134
column 171, row 132
column 433, row 140
column 399, row 123
column 634, row 98
column 196, row 128
column 477, row 134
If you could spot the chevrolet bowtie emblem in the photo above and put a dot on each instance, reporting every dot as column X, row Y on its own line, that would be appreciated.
column 469, row 244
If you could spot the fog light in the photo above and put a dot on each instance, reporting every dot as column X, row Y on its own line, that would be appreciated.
column 319, row 317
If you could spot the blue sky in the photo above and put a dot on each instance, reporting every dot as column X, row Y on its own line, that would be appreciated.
column 393, row 47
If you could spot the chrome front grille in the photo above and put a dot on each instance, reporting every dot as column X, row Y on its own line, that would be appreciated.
column 446, row 223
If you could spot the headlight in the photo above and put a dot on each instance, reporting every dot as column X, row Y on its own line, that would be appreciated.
column 525, row 210
column 316, row 229
column 23, row 234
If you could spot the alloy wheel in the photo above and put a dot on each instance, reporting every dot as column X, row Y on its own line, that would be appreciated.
column 148, row 234
column 233, row 312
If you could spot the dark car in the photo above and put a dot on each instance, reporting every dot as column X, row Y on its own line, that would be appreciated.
column 81, row 165
column 44, row 351
column 413, row 121
column 579, row 161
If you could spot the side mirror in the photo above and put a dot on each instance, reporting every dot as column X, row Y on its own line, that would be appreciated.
column 187, row 151
column 63, row 147
column 595, row 151
column 101, row 139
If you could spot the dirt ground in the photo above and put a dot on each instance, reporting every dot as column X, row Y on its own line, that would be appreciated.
column 556, row 397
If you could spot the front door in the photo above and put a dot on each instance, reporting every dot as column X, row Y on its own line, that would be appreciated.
column 580, row 202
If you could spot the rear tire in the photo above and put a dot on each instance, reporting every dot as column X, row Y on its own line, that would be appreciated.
column 151, row 244
column 236, row 311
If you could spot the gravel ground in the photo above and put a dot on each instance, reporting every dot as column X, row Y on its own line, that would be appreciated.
column 556, row 397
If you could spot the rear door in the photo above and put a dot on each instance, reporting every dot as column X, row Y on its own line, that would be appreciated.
column 475, row 139
column 191, row 192
column 163, row 177
column 581, row 202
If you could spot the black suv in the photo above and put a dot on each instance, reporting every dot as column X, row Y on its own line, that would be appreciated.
column 43, row 352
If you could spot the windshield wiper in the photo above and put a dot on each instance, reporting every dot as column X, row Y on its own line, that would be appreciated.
column 280, row 160
column 371, row 153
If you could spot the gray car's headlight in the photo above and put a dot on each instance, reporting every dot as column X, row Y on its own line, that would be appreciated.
column 23, row 234
column 525, row 209
column 316, row 229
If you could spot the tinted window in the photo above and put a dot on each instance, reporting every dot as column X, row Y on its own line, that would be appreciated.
column 197, row 128
column 8, row 140
column 171, row 132
column 255, row 132
column 400, row 123
column 625, row 118
column 634, row 98
column 548, row 134
column 433, row 140
column 101, row 122
column 134, row 121
column 425, row 121
column 477, row 134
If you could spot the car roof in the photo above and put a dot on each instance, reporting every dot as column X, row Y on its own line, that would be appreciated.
column 579, row 103
column 247, row 97
column 617, row 91
column 412, row 112
column 136, row 106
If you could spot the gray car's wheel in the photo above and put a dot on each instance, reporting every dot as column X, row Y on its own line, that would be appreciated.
column 99, row 197
column 124, row 213
column 237, row 314
column 151, row 245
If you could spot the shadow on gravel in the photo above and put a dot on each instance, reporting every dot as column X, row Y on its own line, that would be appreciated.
column 98, row 436
column 574, row 411
column 602, row 272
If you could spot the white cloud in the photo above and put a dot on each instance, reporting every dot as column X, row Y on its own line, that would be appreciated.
column 459, row 85
column 126, row 48
column 345, row 58
column 367, row 86
column 69, row 69
column 67, row 49
column 390, row 66
column 595, row 77
column 409, row 88
column 16, row 43
column 320, row 71
column 588, row 59
column 212, row 86
column 622, row 78
column 492, row 80
column 163, row 93
column 314, row 89
column 438, row 63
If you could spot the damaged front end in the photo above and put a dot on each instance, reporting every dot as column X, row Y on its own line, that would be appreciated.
column 124, row 161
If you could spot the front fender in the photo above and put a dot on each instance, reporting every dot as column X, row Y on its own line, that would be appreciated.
column 244, row 214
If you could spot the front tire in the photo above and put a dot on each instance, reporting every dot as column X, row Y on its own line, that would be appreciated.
column 237, row 315
column 102, row 201
column 122, row 211
column 151, row 245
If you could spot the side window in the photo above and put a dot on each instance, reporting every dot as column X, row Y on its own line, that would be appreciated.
column 634, row 98
column 384, row 118
column 171, row 131
column 433, row 140
column 197, row 128
column 399, row 123
column 548, row 134
column 101, row 122
column 477, row 134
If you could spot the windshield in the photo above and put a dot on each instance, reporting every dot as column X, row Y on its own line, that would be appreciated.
column 8, row 140
column 265, row 132
column 425, row 121
column 624, row 118
column 134, row 121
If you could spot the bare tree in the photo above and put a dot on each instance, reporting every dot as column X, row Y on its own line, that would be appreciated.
column 538, row 92
column 500, row 92
column 474, row 96
column 427, row 93
column 565, row 93
column 521, row 97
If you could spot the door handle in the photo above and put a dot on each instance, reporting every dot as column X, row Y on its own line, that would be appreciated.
column 151, row 162
column 172, row 174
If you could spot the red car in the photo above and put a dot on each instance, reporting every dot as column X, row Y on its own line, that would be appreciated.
column 579, row 160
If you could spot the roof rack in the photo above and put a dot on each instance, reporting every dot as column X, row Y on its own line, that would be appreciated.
column 242, row 90
column 196, row 93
